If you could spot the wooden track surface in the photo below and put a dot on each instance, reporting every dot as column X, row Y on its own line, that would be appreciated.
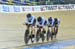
column 12, row 28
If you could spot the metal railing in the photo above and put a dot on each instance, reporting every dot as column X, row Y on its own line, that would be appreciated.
column 44, row 2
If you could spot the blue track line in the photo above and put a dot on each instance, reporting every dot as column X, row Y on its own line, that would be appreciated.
column 55, row 45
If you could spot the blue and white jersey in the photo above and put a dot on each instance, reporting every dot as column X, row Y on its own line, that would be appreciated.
column 57, row 22
column 42, row 22
column 50, row 23
column 30, row 20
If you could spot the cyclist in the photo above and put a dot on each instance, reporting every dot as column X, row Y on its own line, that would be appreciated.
column 30, row 23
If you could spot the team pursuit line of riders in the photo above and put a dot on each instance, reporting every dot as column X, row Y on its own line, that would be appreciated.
column 42, row 32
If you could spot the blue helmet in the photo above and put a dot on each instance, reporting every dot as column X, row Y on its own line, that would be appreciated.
column 39, row 18
column 55, row 19
column 50, row 19
column 28, row 15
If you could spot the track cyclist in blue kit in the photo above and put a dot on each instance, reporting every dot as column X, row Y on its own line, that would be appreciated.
column 30, row 22
column 50, row 22
column 56, row 25
column 41, row 22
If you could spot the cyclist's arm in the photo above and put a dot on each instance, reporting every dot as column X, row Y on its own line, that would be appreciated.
column 32, row 21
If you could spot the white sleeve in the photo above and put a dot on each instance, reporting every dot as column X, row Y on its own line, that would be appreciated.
column 52, row 21
column 43, row 21
column 58, row 22
column 26, row 20
column 32, row 20
column 38, row 24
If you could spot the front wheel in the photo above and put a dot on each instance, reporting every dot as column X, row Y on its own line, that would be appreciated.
column 37, row 35
column 55, row 31
column 26, row 36
column 42, row 37
column 32, row 37
column 48, row 35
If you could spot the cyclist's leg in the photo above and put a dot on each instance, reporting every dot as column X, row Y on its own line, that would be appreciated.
column 33, row 30
column 52, row 34
column 47, row 34
column 26, row 35
column 38, row 34
column 32, row 34
column 56, row 31
column 43, row 32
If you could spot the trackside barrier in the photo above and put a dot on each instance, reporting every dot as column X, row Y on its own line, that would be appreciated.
column 41, row 8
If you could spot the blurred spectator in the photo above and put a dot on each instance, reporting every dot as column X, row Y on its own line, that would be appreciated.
column 17, row 2
column 4, row 0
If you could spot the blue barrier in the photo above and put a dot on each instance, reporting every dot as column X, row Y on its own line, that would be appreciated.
column 55, row 45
